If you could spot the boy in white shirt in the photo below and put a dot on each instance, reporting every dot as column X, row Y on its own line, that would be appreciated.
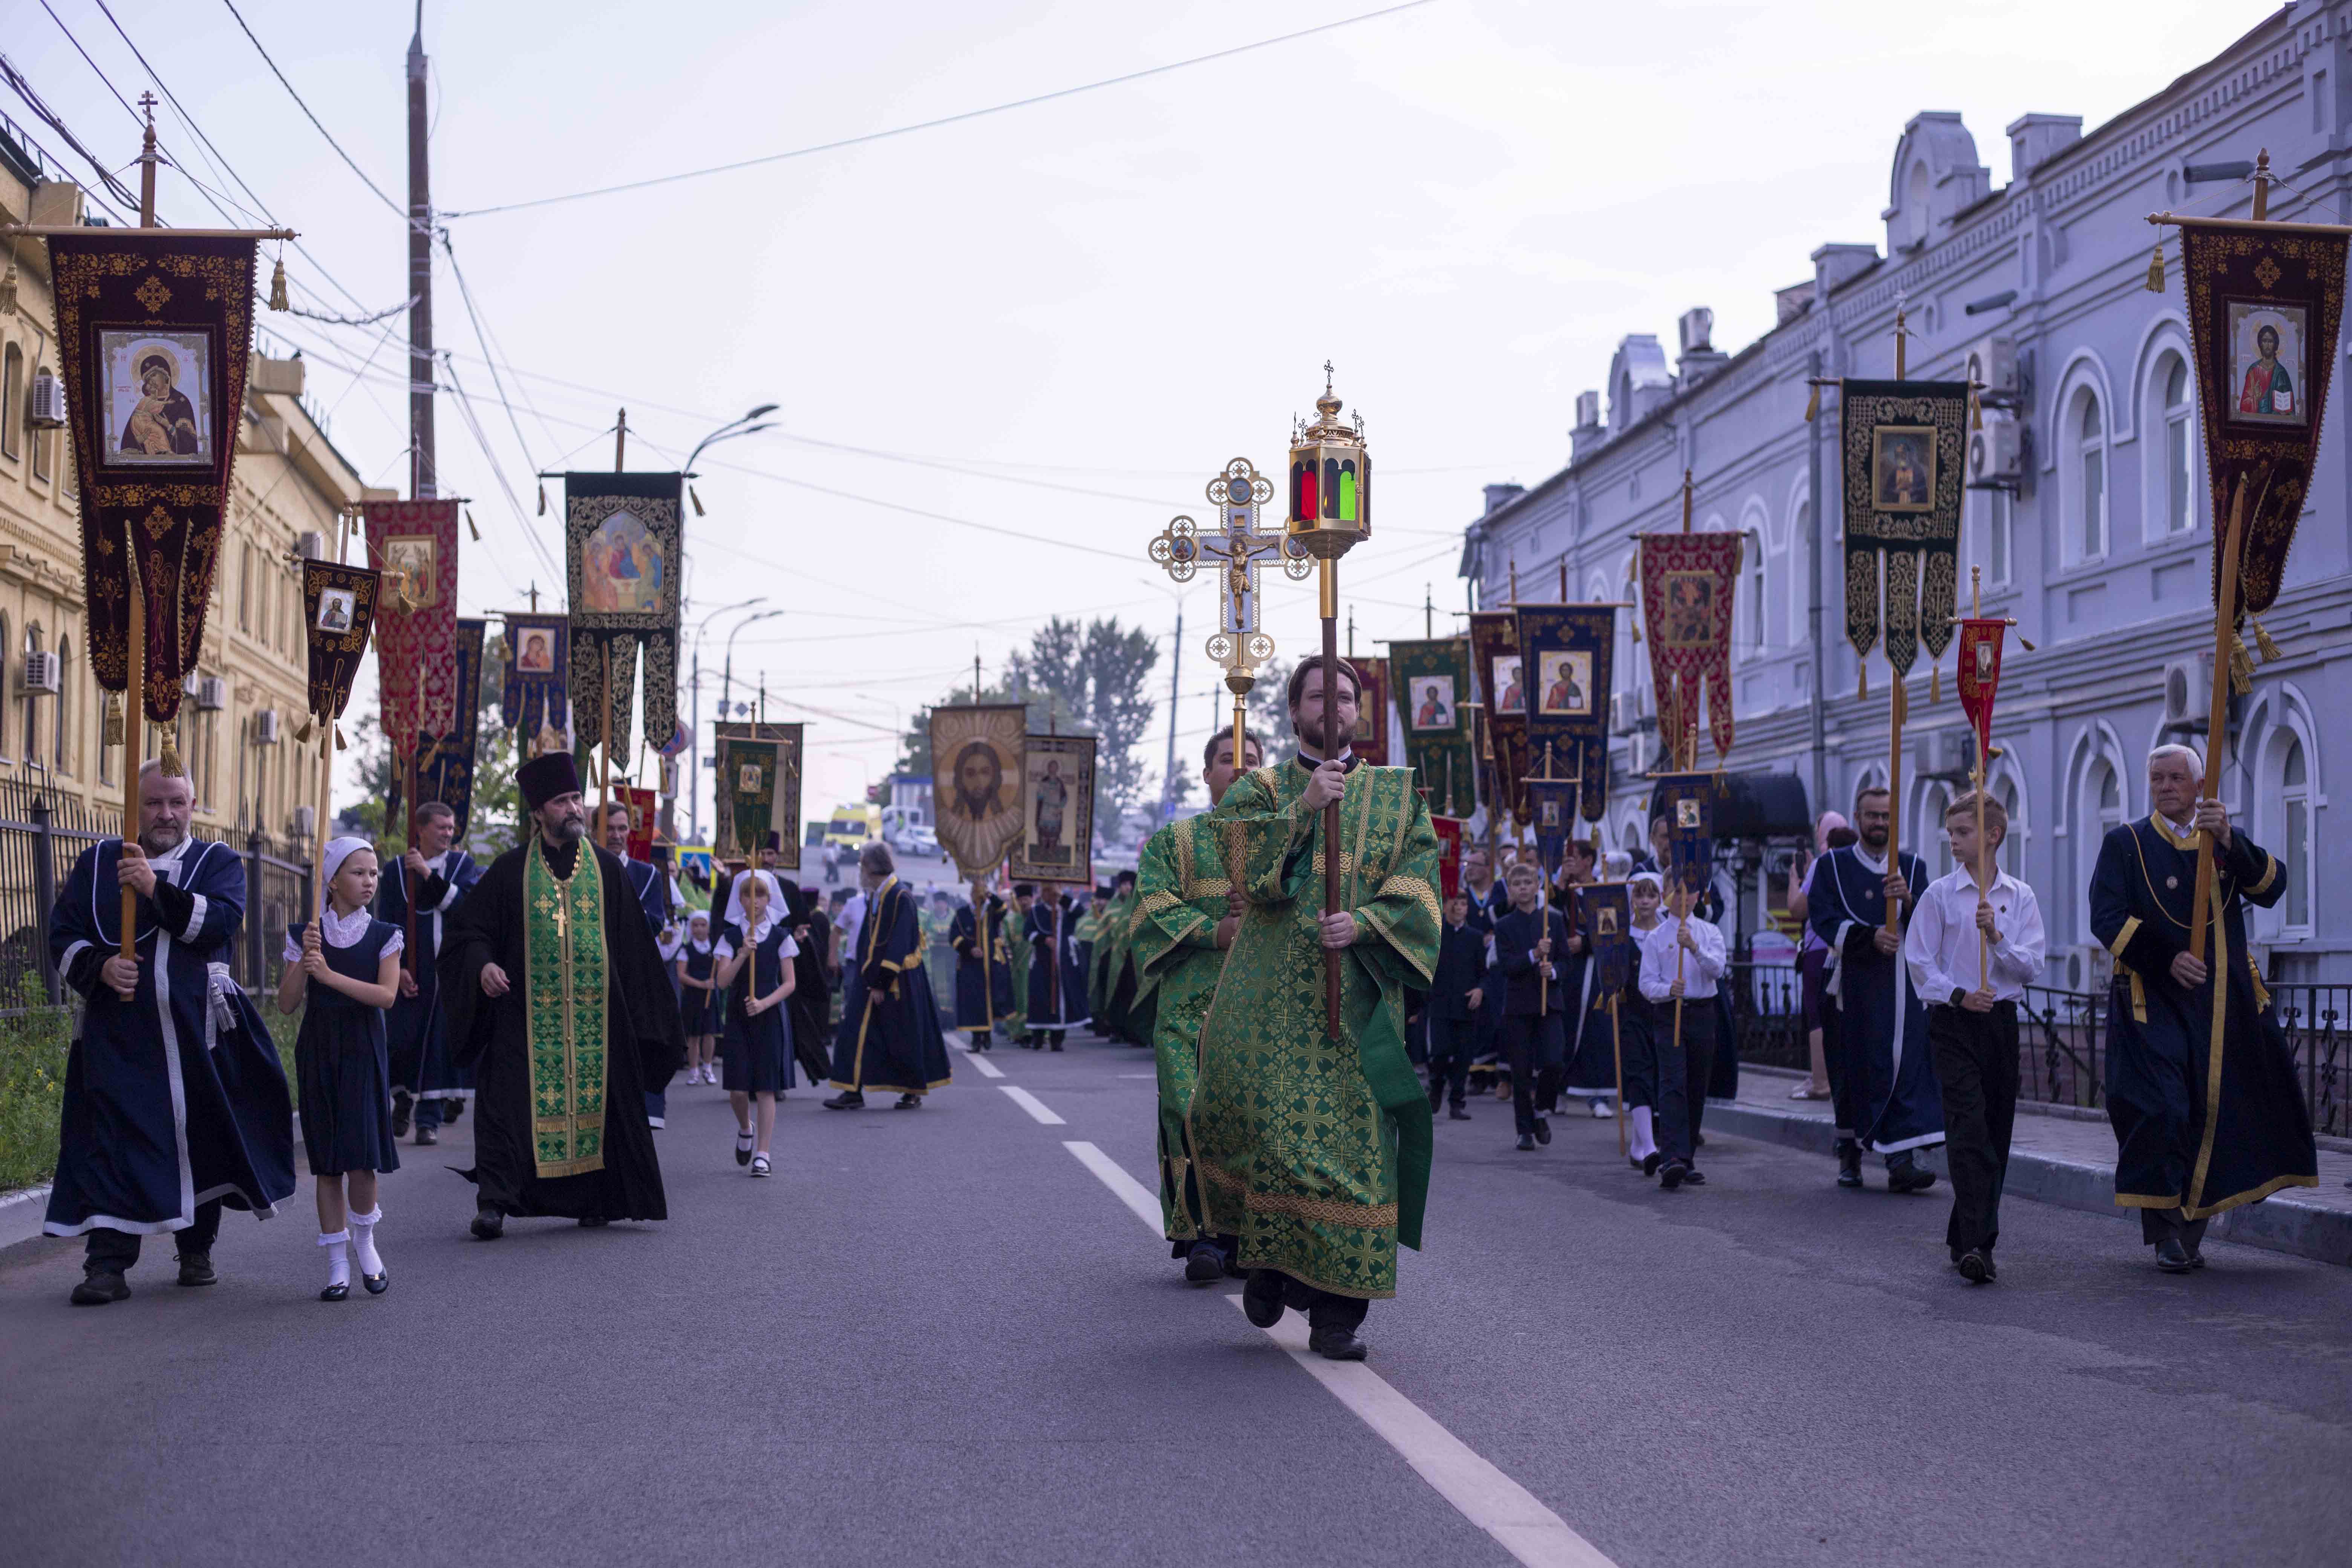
column 1971, row 954
column 1682, row 959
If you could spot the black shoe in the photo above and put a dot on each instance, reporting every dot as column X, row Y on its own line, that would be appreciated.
column 196, row 1268
column 1694, row 1177
column 1455, row 1114
column 1698, row 1139
column 1056, row 1044
column 1650, row 1161
column 2173, row 1257
column 1261, row 1298
column 1543, row 1129
column 743, row 1147
column 1337, row 1344
column 400, row 1106
column 2197, row 1257
column 593, row 1221
column 99, row 1287
column 427, row 1137
column 1849, row 1175
column 1849, row 1159
column 451, row 1110
column 1205, row 1266
column 377, row 1284
column 336, row 1292
column 908, row 1102
column 1527, row 1143
column 1975, row 1266
column 1671, row 1177
column 1904, row 1175
column 848, row 1099
column 489, row 1225
column 1436, row 1099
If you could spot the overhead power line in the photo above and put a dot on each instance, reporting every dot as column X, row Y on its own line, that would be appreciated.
column 346, row 157
column 872, row 136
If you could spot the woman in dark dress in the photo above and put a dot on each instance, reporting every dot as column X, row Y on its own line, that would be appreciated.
column 696, row 993
column 755, row 953
column 342, row 983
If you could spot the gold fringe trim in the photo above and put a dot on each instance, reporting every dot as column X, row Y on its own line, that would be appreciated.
column 114, row 720
column 2263, row 640
column 1813, row 405
column 1934, row 683
column 2156, row 269
column 2242, row 668
column 277, row 300
column 170, row 760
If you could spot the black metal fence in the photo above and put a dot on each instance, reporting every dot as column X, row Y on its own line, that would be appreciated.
column 2063, row 1039
column 43, row 832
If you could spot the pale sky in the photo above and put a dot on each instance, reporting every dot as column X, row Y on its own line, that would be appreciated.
column 1060, row 320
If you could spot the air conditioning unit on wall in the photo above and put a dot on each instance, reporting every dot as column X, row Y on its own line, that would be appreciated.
column 1992, row 365
column 47, row 409
column 265, row 724
column 41, row 672
column 2187, row 687
column 211, row 694
column 1997, row 453
column 2088, row 967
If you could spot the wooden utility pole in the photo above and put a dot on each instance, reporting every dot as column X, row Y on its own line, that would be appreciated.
column 424, row 475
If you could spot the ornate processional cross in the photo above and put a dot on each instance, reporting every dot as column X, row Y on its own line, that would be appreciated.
column 1238, row 490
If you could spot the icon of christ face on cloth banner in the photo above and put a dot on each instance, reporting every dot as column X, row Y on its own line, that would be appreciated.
column 978, row 757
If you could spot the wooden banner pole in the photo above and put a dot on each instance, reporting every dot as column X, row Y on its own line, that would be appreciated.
column 1896, row 710
column 134, row 755
column 1617, row 1049
column 604, row 785
column 2217, row 731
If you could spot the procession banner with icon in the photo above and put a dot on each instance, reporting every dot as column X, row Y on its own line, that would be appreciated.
column 622, row 534
column 447, row 773
column 414, row 544
column 1552, row 803
column 1903, row 447
column 1371, row 741
column 338, row 608
column 1980, row 645
column 1449, row 831
column 1495, row 654
column 1433, row 708
column 643, row 805
column 1687, row 803
column 531, row 698
column 759, row 791
column 1687, row 591
column 1057, row 805
column 1568, row 651
column 978, row 765
column 1605, row 914
column 154, row 334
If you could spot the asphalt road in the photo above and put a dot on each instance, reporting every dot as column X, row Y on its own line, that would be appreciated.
column 938, row 1337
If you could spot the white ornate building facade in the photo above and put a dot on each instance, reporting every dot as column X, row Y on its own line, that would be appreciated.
column 2086, row 510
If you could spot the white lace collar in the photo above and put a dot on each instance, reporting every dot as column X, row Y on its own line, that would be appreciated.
column 342, row 930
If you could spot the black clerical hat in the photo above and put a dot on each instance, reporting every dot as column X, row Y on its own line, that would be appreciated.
column 544, row 777
column 774, row 841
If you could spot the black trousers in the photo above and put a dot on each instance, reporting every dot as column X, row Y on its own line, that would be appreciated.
column 114, row 1251
column 1535, row 1045
column 1845, row 1094
column 1976, row 1064
column 1452, row 1043
column 1683, row 1072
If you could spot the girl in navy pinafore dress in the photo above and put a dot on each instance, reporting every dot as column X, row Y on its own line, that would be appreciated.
column 343, row 984
column 698, row 1009
column 755, row 954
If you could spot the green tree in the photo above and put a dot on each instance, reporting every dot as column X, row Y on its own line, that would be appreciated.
column 495, row 827
column 1269, row 705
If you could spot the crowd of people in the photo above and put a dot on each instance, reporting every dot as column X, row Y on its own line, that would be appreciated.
column 1302, row 1053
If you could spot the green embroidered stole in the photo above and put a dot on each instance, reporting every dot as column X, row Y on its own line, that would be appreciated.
column 565, row 969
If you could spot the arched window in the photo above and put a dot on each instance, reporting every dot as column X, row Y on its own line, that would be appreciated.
column 69, row 717
column 2180, row 463
column 2295, row 845
column 12, row 401
column 1914, row 204
column 2100, row 808
column 244, row 589
column 1928, row 839
column 2011, row 854
column 1759, row 636
column 2091, row 477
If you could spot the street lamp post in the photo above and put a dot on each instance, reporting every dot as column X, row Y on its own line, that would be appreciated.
column 694, row 684
column 733, row 429
column 727, row 677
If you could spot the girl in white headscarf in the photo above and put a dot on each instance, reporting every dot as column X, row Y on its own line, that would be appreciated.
column 342, row 971
column 755, row 954
column 697, row 1010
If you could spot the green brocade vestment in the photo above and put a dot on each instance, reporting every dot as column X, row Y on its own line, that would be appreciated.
column 1109, row 953
column 1316, row 1152
column 1180, row 888
column 564, row 957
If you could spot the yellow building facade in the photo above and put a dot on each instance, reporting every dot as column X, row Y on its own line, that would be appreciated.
column 248, row 694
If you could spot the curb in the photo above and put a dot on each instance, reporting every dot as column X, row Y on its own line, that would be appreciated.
column 20, row 1215
column 2280, row 1223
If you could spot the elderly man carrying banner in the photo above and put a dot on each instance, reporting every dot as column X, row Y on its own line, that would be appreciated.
column 176, row 1105
column 2200, row 1085
column 561, row 1005
column 1314, row 1151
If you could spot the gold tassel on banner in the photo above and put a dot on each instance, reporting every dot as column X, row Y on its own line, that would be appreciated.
column 277, row 300
column 1862, row 680
column 9, row 291
column 170, row 762
column 1814, row 404
column 114, row 720
column 542, row 500
column 469, row 526
column 1976, row 409
column 2263, row 640
column 694, row 498
column 340, row 745
column 302, row 736
column 2242, row 668
column 1934, row 683
column 2156, row 269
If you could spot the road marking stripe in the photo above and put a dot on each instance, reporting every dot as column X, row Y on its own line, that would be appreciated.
column 1482, row 1494
column 1030, row 1103
column 987, row 1069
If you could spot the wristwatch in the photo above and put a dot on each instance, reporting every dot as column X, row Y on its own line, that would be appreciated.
column 1959, row 994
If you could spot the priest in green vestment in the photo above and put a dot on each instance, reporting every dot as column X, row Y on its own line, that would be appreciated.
column 1313, row 1151
column 1186, row 915
column 1111, row 954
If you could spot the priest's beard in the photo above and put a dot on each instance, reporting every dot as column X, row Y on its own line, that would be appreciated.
column 1313, row 731
column 1875, row 843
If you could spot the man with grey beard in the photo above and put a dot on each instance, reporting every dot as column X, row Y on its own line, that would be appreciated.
column 559, row 1004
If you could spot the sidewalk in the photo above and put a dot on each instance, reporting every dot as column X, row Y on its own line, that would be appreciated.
column 2061, row 1155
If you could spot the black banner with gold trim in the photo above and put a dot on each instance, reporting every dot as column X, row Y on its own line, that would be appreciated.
column 338, row 610
column 1904, row 444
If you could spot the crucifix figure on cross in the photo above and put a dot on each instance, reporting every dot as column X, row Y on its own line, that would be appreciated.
column 1238, row 547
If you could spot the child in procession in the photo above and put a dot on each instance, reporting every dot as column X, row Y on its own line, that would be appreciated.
column 342, row 971
column 1972, row 948
column 1457, row 993
column 1637, row 1022
column 1682, row 959
column 697, row 1006
column 1532, row 944
column 754, row 954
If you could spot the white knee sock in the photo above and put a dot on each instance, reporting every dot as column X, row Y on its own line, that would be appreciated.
column 363, row 1240
column 1646, row 1143
column 338, row 1267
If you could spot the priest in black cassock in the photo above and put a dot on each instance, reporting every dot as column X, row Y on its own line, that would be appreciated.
column 983, row 966
column 2200, row 1085
column 1057, row 973
column 559, row 1002
column 889, row 1039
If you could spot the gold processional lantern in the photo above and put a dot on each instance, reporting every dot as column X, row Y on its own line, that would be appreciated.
column 1330, row 481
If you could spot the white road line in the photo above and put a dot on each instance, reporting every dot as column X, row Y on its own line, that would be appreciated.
column 1140, row 1199
column 1484, row 1495
column 987, row 1069
column 1032, row 1104
column 1139, row 1075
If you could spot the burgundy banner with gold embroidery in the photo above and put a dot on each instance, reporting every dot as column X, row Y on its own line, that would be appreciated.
column 1689, row 587
column 1495, row 656
column 1372, row 738
column 1981, row 644
column 339, row 605
column 414, row 544
column 2264, row 303
column 1449, row 854
column 153, row 335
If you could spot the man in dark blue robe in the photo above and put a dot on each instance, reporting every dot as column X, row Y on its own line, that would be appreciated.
column 1887, row 1100
column 1490, row 900
column 651, row 890
column 415, row 1032
column 983, row 980
column 2200, row 1085
column 1057, row 974
column 890, row 1038
column 176, row 1105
